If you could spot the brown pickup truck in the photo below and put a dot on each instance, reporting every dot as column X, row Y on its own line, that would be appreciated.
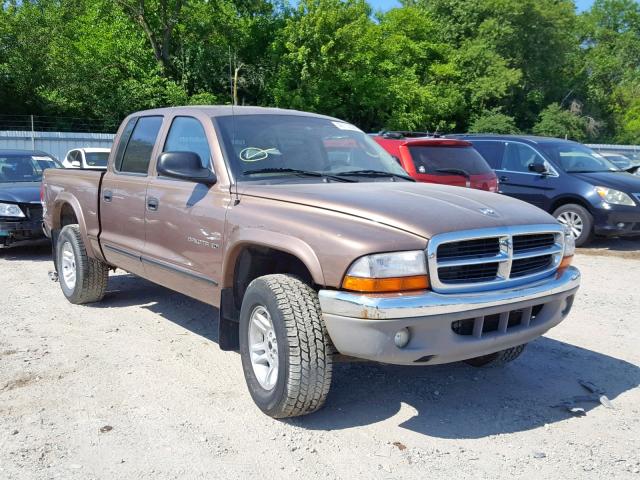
column 313, row 242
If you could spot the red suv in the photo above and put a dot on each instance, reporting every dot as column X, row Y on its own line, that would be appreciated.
column 439, row 160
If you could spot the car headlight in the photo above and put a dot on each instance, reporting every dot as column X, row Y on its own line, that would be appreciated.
column 388, row 272
column 615, row 197
column 10, row 210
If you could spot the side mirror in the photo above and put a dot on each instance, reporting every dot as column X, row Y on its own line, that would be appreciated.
column 538, row 167
column 184, row 166
column 76, row 164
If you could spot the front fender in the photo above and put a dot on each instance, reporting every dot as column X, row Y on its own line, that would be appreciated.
column 241, row 238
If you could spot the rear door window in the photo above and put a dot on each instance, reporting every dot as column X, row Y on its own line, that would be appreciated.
column 137, row 153
column 491, row 151
column 429, row 160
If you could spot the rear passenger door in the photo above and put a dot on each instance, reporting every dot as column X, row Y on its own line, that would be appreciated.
column 185, row 220
column 123, row 194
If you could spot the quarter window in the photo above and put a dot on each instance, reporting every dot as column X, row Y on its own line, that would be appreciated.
column 187, row 135
column 137, row 153
column 491, row 151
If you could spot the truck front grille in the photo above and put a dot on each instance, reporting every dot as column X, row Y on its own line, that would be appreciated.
column 493, row 258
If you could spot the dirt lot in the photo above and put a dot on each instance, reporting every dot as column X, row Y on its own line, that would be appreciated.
column 136, row 387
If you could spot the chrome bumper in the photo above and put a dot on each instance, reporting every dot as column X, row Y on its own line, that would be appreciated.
column 364, row 326
column 407, row 305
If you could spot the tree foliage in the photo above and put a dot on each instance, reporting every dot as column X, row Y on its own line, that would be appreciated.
column 436, row 65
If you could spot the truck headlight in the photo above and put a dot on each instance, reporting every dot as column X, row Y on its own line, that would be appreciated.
column 615, row 197
column 569, row 250
column 10, row 210
column 388, row 272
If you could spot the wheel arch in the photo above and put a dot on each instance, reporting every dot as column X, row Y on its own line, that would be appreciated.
column 67, row 211
column 568, row 199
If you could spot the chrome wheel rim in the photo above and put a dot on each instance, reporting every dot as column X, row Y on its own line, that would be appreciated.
column 573, row 221
column 263, row 348
column 68, row 266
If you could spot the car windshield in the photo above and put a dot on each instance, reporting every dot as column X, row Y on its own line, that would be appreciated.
column 96, row 159
column 275, row 148
column 24, row 168
column 574, row 158
column 620, row 161
column 445, row 160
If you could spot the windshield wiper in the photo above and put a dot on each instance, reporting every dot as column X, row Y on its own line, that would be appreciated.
column 375, row 173
column 295, row 171
column 455, row 171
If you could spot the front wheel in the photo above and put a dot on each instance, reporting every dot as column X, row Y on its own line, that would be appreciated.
column 83, row 279
column 579, row 221
column 284, row 346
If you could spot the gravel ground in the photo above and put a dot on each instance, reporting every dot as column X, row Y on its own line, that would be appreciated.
column 136, row 387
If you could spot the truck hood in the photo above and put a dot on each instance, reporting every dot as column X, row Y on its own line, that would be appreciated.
column 20, row 192
column 419, row 208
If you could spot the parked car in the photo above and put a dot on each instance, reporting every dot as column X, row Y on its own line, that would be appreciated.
column 579, row 187
column 310, row 239
column 439, row 160
column 20, row 208
column 87, row 158
column 621, row 161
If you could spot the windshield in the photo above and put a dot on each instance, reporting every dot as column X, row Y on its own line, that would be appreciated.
column 620, row 161
column 299, row 148
column 96, row 159
column 575, row 158
column 436, row 160
column 27, row 168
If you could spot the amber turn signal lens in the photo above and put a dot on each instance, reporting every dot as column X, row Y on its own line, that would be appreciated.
column 566, row 261
column 382, row 285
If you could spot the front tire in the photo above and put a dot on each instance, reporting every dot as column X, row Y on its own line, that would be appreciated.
column 579, row 220
column 284, row 346
column 82, row 279
column 497, row 359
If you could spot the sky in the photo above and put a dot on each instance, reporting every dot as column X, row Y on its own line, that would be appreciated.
column 387, row 4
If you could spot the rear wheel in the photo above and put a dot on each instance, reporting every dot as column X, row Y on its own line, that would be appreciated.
column 579, row 221
column 82, row 279
column 284, row 346
column 497, row 359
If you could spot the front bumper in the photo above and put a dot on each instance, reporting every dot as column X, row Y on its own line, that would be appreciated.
column 617, row 221
column 445, row 328
column 18, row 231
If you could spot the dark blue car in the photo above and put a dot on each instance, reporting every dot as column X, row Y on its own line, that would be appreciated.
column 579, row 187
column 20, row 208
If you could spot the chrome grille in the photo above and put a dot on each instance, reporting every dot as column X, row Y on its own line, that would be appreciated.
column 486, row 259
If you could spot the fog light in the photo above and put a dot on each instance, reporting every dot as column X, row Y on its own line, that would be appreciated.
column 402, row 337
column 620, row 225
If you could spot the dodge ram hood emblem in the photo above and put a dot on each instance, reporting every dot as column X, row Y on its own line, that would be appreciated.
column 489, row 212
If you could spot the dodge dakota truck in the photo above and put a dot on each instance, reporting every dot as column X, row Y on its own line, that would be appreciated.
column 312, row 242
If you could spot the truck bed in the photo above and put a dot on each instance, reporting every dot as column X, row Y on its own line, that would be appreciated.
column 80, row 188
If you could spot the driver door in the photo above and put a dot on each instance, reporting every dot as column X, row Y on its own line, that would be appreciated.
column 517, row 180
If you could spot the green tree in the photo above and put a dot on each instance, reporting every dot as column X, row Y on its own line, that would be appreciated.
column 493, row 121
column 557, row 122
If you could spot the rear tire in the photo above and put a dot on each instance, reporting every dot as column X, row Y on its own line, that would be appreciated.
column 497, row 359
column 284, row 346
column 82, row 279
column 579, row 220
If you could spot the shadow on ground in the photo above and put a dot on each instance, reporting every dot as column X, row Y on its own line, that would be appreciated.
column 447, row 401
column 36, row 253
column 622, row 247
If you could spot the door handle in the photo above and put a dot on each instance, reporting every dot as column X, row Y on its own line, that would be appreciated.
column 152, row 204
column 504, row 178
column 107, row 195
